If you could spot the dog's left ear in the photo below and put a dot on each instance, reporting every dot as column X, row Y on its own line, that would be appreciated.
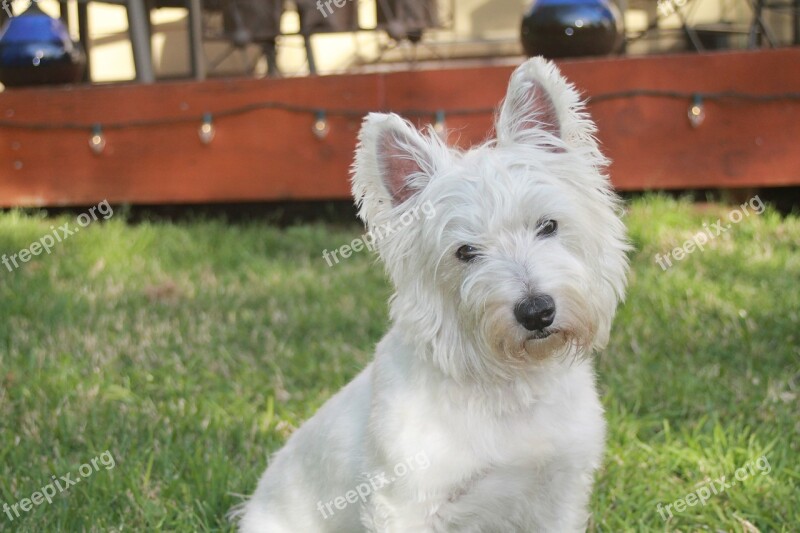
column 542, row 107
column 393, row 162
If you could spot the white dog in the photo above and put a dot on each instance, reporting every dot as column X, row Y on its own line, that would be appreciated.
column 479, row 412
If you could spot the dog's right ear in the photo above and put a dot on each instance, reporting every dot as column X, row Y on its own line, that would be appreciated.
column 393, row 162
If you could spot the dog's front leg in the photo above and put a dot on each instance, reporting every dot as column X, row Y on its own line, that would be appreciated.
column 562, row 505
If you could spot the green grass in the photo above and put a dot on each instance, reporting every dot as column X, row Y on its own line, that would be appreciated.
column 191, row 350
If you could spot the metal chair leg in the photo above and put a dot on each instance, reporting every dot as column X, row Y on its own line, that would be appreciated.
column 196, row 39
column 796, row 22
column 270, row 51
column 83, row 37
column 140, row 41
column 63, row 12
column 312, row 63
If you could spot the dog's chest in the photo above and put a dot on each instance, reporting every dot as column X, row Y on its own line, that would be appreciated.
column 511, row 438
column 465, row 442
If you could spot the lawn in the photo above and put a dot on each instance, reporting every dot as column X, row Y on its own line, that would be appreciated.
column 178, row 355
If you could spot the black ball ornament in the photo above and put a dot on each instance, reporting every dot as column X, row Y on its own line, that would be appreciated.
column 572, row 28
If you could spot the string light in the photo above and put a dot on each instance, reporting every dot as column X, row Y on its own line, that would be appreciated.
column 358, row 113
column 697, row 112
column 97, row 142
column 321, row 127
column 439, row 124
column 206, row 132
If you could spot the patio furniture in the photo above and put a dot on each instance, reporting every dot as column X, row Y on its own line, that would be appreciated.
column 138, row 12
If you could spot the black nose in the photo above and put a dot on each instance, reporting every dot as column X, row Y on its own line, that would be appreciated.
column 535, row 313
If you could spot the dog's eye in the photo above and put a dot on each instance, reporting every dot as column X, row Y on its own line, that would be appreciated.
column 467, row 253
column 548, row 227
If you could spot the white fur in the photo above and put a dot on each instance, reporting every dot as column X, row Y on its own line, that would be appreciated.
column 511, row 426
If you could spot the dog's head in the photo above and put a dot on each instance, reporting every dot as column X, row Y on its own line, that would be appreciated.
column 506, row 254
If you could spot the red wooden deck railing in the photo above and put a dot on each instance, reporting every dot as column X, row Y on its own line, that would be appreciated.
column 272, row 154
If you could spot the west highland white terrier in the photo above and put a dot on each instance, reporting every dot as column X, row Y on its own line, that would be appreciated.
column 480, row 411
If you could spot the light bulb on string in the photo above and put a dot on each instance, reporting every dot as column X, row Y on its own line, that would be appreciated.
column 320, row 127
column 697, row 112
column 97, row 141
column 439, row 124
column 206, row 132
